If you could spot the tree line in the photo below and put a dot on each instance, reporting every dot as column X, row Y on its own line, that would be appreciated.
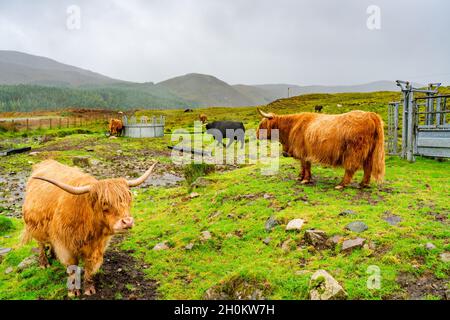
column 34, row 98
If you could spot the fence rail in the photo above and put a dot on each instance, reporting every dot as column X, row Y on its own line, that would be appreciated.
column 30, row 124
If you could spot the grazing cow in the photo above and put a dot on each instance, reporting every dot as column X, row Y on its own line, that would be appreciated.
column 115, row 127
column 352, row 140
column 203, row 118
column 188, row 110
column 318, row 108
column 232, row 130
column 76, row 215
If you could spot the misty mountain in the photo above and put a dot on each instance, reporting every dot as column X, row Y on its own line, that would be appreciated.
column 193, row 89
column 21, row 68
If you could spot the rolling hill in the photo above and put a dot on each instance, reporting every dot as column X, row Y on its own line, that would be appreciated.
column 87, row 88
column 206, row 90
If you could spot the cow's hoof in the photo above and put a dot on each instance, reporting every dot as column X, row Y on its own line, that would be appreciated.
column 74, row 293
column 305, row 181
column 90, row 290
column 339, row 187
column 44, row 265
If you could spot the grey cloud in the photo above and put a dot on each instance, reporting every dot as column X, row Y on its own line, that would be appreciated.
column 239, row 41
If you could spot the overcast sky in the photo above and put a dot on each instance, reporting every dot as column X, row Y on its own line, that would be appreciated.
column 239, row 41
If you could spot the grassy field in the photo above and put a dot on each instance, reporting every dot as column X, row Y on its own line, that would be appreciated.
column 233, row 205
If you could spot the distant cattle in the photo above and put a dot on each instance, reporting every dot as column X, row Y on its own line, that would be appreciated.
column 115, row 127
column 318, row 108
column 188, row 110
column 76, row 215
column 352, row 140
column 233, row 130
column 203, row 118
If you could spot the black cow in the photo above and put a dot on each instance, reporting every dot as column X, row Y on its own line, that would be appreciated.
column 233, row 130
column 188, row 110
column 318, row 108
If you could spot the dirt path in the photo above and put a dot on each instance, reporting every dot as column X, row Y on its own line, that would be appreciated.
column 121, row 277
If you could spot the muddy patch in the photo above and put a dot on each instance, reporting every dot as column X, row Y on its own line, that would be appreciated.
column 418, row 288
column 121, row 277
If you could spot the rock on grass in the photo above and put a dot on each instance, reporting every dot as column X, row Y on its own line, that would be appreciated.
column 351, row 244
column 295, row 224
column 324, row 287
column 356, row 226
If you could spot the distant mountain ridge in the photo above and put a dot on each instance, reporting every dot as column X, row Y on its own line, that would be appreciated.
column 193, row 89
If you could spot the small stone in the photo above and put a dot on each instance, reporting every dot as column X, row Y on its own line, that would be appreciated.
column 112, row 137
column 271, row 223
column 430, row 246
column 267, row 240
column 324, row 287
column 119, row 270
column 295, row 224
column 347, row 213
column 316, row 238
column 161, row 246
column 8, row 270
column 205, row 235
column 445, row 257
column 334, row 240
column 33, row 153
column 392, row 219
column 357, row 226
column 267, row 196
column 189, row 246
column 194, row 195
column 27, row 262
column 81, row 161
column 4, row 251
column 351, row 244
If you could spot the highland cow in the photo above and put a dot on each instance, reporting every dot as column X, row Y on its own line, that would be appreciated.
column 352, row 140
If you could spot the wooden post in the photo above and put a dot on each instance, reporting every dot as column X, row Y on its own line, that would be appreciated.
column 28, row 126
column 50, row 123
column 60, row 120
column 67, row 122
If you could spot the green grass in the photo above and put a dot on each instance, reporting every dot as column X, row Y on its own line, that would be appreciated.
column 187, row 274
column 234, row 209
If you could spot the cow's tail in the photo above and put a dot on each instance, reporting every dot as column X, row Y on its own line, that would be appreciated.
column 378, row 165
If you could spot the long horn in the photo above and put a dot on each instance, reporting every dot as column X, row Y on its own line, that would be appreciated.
column 66, row 187
column 265, row 115
column 141, row 179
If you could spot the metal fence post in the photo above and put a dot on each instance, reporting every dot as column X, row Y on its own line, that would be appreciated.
column 411, row 122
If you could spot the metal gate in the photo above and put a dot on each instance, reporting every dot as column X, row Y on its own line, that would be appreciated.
column 425, row 123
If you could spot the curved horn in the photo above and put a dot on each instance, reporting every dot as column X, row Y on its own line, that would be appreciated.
column 66, row 187
column 141, row 179
column 265, row 115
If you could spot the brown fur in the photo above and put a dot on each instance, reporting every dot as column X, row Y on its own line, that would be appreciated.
column 75, row 226
column 353, row 140
column 115, row 127
column 203, row 118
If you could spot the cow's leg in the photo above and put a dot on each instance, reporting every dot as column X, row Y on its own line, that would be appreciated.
column 91, row 265
column 367, row 173
column 43, row 260
column 306, row 166
column 68, row 259
column 347, row 178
